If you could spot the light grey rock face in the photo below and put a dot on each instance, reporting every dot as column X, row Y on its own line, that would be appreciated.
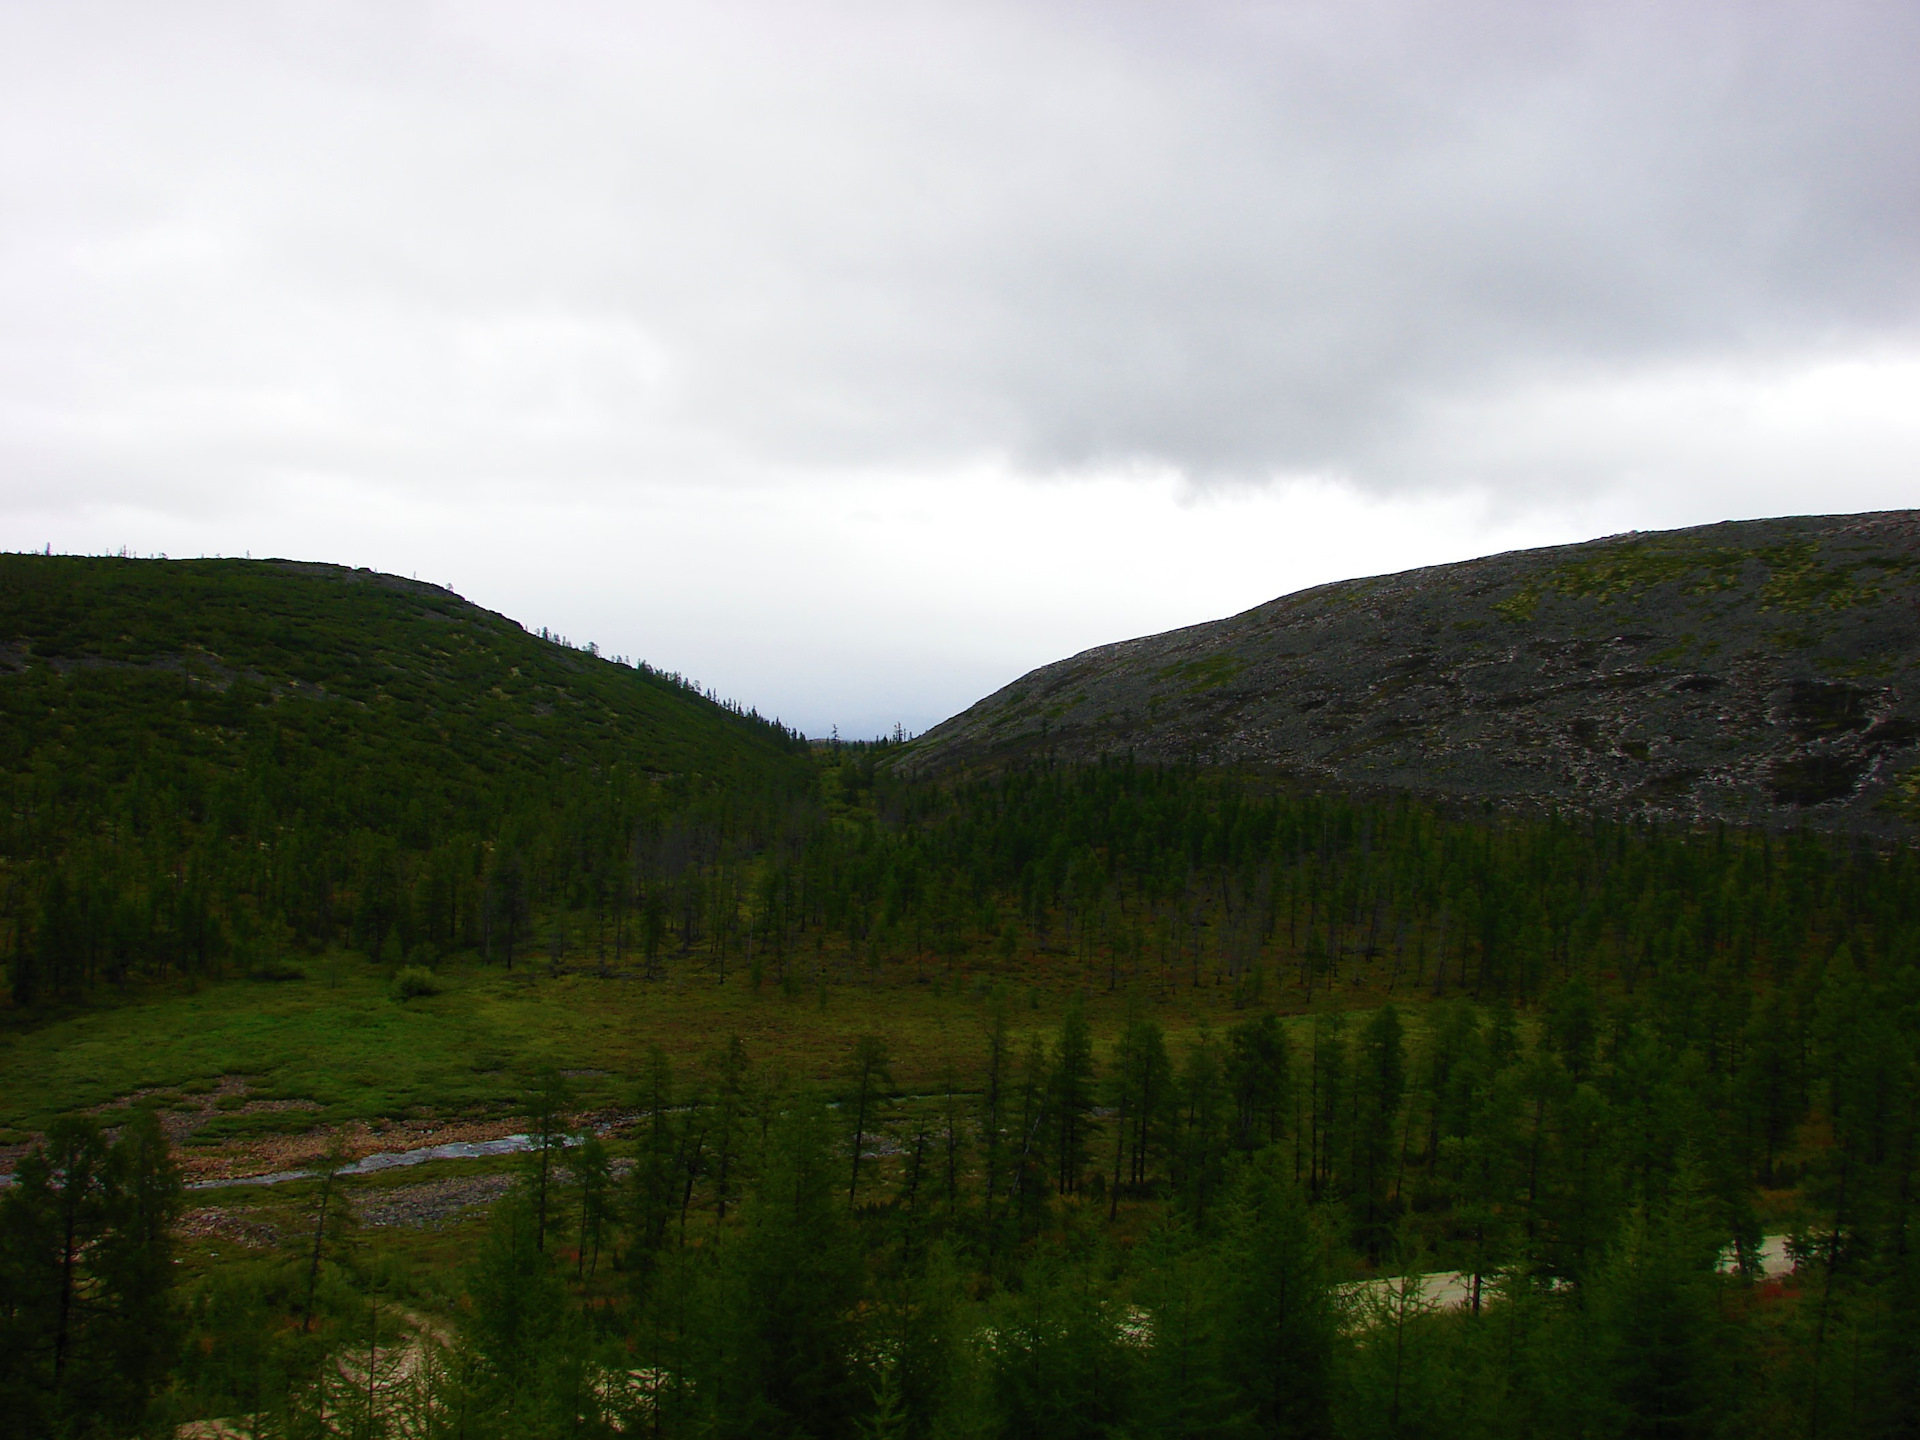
column 1763, row 670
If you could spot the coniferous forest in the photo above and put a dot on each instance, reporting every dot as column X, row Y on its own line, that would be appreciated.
column 1050, row 1100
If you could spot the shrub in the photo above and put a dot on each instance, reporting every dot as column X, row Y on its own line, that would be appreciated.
column 278, row 970
column 414, row 981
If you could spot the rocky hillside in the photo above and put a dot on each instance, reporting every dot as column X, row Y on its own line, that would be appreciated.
column 1763, row 670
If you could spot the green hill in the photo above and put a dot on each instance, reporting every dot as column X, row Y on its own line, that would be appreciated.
column 203, row 749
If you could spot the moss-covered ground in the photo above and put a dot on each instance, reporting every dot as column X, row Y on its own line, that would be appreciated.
column 340, row 1039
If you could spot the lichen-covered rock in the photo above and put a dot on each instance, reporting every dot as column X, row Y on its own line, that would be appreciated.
column 1761, row 671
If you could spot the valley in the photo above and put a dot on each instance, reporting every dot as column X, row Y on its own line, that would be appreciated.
column 1092, row 1069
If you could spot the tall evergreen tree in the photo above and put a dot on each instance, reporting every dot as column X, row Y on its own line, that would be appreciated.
column 1277, row 1321
column 1072, row 1096
column 1259, row 1074
column 1666, row 1362
column 86, row 1321
column 1379, row 1082
column 650, row 1184
column 1201, row 1146
column 867, row 1072
column 795, row 1286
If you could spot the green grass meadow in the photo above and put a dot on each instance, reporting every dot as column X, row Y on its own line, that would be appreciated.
column 340, row 1039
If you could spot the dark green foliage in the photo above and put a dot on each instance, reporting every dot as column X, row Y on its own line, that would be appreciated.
column 589, row 1168
column 1277, row 1323
column 1598, row 1303
column 1378, row 1088
column 1259, row 1070
column 173, row 662
column 1327, row 1110
column 1055, row 1365
column 917, row 1316
column 652, row 1183
column 87, row 1326
column 547, row 1110
column 1071, row 1097
column 531, row 1367
column 1200, row 1143
column 1183, row 1388
column 1141, row 1091
column 1667, row 1362
column 246, row 1362
column 415, row 982
column 205, row 760
column 867, row 1071
column 785, row 1348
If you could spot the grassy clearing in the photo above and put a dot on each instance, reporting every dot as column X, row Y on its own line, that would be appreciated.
column 346, row 1044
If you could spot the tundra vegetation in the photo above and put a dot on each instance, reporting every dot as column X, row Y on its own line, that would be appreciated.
column 1061, row 1099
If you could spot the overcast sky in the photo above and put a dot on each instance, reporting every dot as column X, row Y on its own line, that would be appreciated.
column 855, row 358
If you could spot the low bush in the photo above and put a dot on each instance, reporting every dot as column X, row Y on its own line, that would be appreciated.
column 414, row 981
column 277, row 970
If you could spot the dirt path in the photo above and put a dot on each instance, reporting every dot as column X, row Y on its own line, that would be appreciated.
column 1453, row 1289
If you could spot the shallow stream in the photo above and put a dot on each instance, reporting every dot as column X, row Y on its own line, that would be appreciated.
column 392, row 1159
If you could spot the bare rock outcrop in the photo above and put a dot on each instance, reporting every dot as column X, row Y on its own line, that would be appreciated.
column 1762, row 671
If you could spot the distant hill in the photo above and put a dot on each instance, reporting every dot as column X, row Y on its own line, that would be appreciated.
column 210, row 764
column 1756, row 671
column 392, row 694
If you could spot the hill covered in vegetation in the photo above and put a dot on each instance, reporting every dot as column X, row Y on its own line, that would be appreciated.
column 199, row 756
column 1761, row 672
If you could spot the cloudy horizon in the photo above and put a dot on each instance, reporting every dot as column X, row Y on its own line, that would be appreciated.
column 853, row 358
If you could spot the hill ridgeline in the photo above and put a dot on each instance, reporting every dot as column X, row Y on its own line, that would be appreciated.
column 1761, row 671
column 209, row 765
column 375, row 691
